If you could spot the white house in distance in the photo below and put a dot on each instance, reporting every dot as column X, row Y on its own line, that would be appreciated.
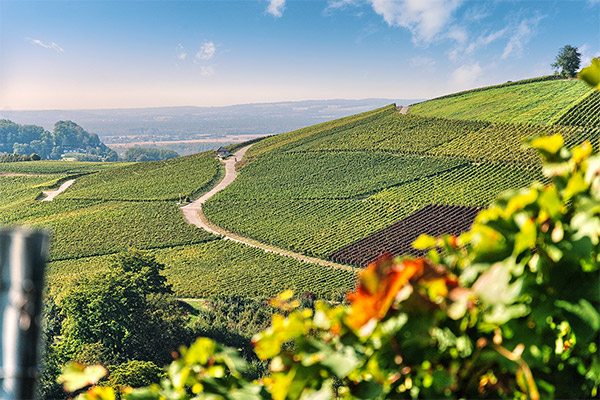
column 222, row 152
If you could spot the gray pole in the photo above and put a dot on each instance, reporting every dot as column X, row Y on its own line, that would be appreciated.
column 22, row 259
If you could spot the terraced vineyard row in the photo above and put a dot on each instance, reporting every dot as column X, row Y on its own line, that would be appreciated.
column 585, row 113
column 500, row 142
column 397, row 239
column 477, row 184
column 323, row 175
column 536, row 102
column 392, row 132
column 155, row 180
column 92, row 228
column 282, row 142
column 225, row 268
column 14, row 189
column 313, row 227
column 53, row 167
column 412, row 134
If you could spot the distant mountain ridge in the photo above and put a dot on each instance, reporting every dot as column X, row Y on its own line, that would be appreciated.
column 187, row 122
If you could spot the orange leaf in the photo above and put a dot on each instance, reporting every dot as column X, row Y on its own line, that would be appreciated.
column 378, row 286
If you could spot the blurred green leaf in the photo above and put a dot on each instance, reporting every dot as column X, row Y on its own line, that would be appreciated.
column 76, row 376
column 591, row 74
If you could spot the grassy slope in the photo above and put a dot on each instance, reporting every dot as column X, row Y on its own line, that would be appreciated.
column 536, row 102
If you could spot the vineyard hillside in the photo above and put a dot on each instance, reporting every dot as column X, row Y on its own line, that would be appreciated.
column 535, row 101
column 345, row 190
column 322, row 189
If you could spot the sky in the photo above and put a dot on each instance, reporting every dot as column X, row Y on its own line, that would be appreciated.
column 114, row 54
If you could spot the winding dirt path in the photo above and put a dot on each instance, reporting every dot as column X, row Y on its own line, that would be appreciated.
column 51, row 194
column 403, row 109
column 193, row 214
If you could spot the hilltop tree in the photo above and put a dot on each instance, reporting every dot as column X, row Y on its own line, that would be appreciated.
column 568, row 61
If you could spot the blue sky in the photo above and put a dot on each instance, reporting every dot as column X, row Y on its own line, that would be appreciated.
column 109, row 54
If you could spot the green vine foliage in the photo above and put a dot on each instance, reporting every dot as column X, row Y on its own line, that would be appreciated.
column 506, row 310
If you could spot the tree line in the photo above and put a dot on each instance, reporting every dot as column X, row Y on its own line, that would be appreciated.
column 66, row 137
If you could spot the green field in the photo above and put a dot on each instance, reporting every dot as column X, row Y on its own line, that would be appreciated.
column 585, row 113
column 536, row 102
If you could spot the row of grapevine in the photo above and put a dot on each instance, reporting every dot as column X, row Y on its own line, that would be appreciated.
column 585, row 113
column 499, row 142
column 225, row 268
column 535, row 102
column 312, row 227
column 477, row 184
column 412, row 134
column 397, row 239
column 393, row 132
column 83, row 229
column 43, row 167
column 509, row 83
column 282, row 142
column 155, row 180
column 16, row 188
column 325, row 175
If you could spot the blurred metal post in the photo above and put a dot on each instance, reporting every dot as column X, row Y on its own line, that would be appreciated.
column 23, row 255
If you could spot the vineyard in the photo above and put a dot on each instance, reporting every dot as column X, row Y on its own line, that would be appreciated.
column 323, row 192
column 360, row 182
column 535, row 102
column 313, row 227
column 17, row 187
column 585, row 113
column 225, row 268
column 323, row 175
column 155, row 180
column 397, row 239
column 52, row 167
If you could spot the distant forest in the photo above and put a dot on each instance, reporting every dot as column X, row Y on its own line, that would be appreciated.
column 67, row 140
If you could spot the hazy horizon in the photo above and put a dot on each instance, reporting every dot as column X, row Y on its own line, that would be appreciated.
column 81, row 55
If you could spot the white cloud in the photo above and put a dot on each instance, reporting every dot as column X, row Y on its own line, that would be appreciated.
column 466, row 76
column 206, row 52
column 424, row 18
column 467, row 49
column 458, row 34
column 181, row 54
column 276, row 7
column 521, row 35
column 587, row 54
column 52, row 45
column 337, row 4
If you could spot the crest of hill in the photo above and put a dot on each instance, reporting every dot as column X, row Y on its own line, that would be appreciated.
column 539, row 101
